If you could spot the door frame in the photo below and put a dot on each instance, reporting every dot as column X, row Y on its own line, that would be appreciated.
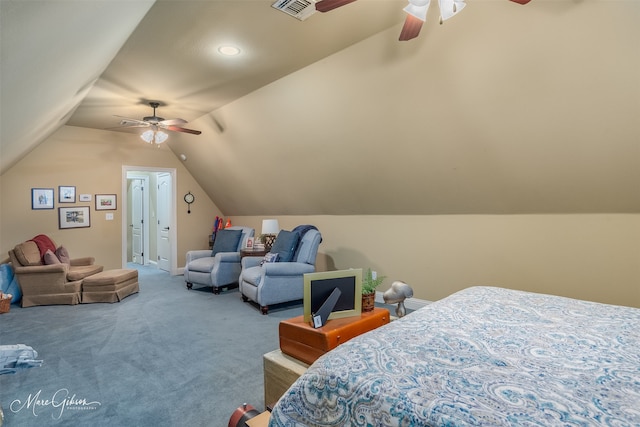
column 173, row 235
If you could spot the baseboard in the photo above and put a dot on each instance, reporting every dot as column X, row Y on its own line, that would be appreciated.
column 409, row 303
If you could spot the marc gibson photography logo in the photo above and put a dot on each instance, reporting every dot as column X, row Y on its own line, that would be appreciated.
column 59, row 402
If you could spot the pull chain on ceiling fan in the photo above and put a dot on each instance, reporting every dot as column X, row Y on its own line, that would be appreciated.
column 416, row 12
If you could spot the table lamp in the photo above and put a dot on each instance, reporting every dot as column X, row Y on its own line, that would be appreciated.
column 270, row 229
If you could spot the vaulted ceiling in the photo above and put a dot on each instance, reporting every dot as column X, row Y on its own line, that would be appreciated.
column 503, row 109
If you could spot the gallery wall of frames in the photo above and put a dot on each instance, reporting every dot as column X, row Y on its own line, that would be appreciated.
column 70, row 212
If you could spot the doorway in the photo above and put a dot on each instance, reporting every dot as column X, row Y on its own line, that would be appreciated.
column 149, row 234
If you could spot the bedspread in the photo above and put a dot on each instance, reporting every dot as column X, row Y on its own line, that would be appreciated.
column 482, row 356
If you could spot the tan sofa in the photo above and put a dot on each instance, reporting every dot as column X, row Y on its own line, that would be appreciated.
column 55, row 283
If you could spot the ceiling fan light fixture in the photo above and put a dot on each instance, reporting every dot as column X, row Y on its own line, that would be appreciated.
column 154, row 137
column 418, row 8
column 448, row 8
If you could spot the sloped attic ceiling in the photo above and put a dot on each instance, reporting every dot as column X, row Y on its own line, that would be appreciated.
column 59, row 62
column 51, row 54
column 503, row 109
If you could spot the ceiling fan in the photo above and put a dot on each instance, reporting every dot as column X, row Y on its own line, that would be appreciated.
column 416, row 12
column 156, row 123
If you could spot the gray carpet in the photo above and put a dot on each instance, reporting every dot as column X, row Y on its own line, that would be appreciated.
column 166, row 356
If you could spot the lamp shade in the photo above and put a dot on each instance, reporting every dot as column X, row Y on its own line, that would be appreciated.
column 154, row 137
column 270, row 226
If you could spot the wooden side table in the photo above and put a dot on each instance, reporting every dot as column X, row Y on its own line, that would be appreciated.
column 252, row 252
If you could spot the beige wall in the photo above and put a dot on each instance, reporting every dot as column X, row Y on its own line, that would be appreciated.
column 92, row 161
column 593, row 257
column 590, row 256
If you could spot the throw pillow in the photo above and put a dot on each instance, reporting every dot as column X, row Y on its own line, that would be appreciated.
column 28, row 253
column 270, row 257
column 63, row 255
column 226, row 241
column 50, row 258
column 285, row 245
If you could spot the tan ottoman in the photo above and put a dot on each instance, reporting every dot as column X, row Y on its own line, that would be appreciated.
column 109, row 286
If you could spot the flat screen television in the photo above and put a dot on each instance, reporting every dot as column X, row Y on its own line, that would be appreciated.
column 319, row 286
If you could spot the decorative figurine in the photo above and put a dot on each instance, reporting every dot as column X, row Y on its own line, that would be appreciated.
column 397, row 293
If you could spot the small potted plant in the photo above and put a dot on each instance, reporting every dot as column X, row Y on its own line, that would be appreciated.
column 370, row 282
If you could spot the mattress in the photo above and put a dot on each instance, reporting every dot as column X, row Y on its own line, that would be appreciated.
column 482, row 356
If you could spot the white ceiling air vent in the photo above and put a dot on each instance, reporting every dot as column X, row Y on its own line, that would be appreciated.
column 299, row 9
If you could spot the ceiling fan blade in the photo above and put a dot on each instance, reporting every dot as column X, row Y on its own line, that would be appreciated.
column 127, row 124
column 521, row 1
column 127, row 121
column 155, row 123
column 126, row 127
column 411, row 28
column 327, row 5
column 173, row 122
column 181, row 129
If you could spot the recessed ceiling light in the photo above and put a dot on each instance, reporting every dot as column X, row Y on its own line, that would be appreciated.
column 229, row 50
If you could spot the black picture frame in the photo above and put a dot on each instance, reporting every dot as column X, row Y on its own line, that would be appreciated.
column 42, row 198
column 74, row 217
column 66, row 194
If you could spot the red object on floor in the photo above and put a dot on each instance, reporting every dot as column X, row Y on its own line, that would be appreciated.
column 241, row 415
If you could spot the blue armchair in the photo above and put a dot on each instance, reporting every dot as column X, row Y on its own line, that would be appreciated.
column 278, row 282
column 223, row 268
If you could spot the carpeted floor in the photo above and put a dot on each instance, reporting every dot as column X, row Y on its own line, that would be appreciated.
column 166, row 356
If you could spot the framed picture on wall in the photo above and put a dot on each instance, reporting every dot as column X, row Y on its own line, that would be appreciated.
column 42, row 198
column 84, row 197
column 66, row 194
column 106, row 202
column 74, row 217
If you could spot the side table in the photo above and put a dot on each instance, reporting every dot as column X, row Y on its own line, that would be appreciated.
column 280, row 371
column 252, row 252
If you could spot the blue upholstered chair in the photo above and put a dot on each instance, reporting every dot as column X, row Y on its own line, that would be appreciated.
column 218, row 267
column 278, row 282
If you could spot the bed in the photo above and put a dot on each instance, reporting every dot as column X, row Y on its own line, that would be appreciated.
column 482, row 356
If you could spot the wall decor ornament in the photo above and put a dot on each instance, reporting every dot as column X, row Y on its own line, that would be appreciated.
column 188, row 199
column 74, row 217
column 66, row 194
column 42, row 198
column 106, row 202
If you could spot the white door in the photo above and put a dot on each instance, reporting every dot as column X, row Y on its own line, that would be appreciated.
column 164, row 220
column 137, row 221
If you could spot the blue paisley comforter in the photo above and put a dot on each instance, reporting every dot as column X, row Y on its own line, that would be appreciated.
column 482, row 356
